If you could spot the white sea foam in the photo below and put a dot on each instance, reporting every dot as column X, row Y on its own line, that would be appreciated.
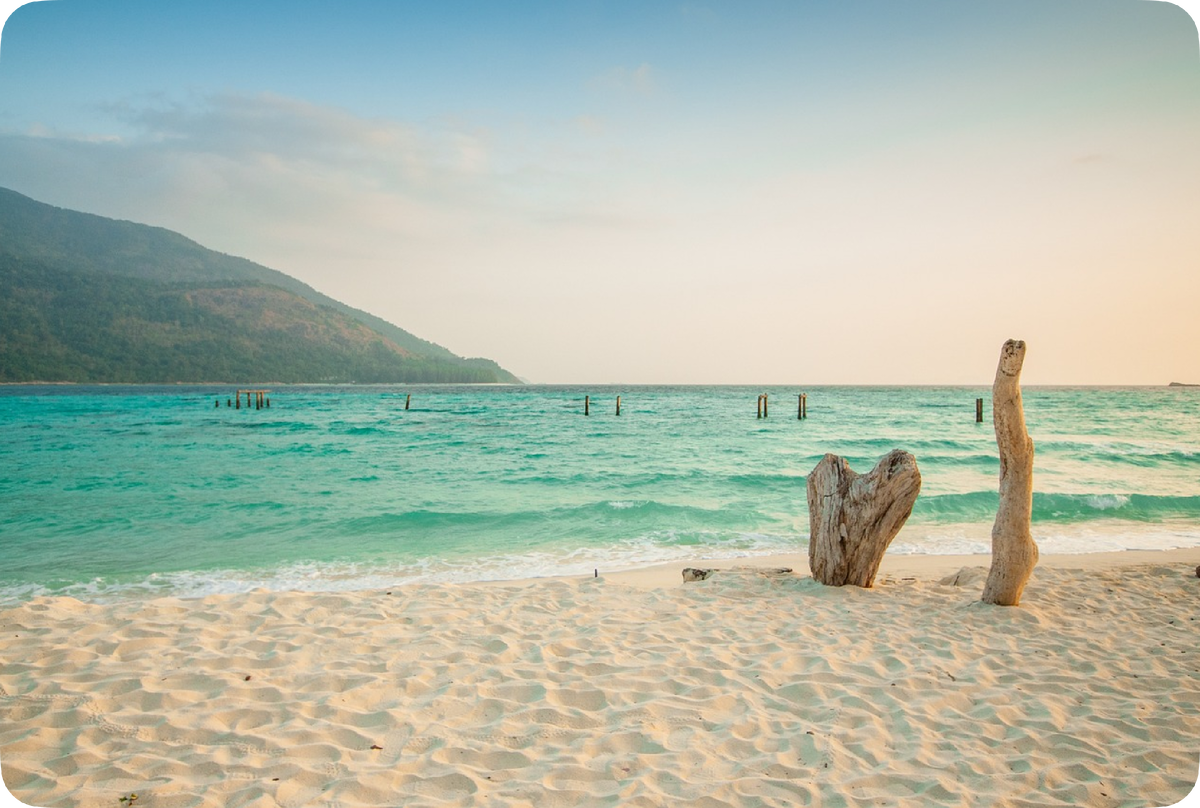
column 659, row 548
column 1107, row 502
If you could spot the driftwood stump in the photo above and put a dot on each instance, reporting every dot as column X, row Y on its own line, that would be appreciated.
column 854, row 517
column 1014, row 553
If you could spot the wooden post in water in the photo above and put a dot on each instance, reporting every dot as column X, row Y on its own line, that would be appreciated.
column 587, row 405
column 799, row 406
column 760, row 405
column 979, row 410
column 764, row 405
column 239, row 400
column 407, row 400
column 804, row 406
column 618, row 405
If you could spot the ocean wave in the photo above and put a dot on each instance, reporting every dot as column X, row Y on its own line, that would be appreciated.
column 561, row 519
column 1138, row 453
column 652, row 548
column 1135, row 507
column 657, row 547
column 980, row 506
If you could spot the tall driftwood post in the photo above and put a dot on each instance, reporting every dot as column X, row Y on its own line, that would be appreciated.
column 1014, row 553
column 587, row 405
column 618, row 405
column 853, row 517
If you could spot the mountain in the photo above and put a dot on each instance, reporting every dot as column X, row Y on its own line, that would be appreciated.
column 84, row 298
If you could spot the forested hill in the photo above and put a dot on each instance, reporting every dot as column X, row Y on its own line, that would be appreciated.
column 84, row 298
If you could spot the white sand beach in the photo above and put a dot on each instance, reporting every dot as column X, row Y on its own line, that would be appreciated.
column 628, row 689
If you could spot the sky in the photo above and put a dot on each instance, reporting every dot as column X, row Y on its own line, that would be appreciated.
column 640, row 192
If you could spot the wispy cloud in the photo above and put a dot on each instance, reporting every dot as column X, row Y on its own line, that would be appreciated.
column 274, row 178
column 262, row 127
column 641, row 80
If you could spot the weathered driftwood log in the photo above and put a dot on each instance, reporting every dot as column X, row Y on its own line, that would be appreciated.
column 854, row 517
column 698, row 574
column 1014, row 553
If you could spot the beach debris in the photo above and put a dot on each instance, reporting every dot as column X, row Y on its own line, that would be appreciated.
column 1014, row 552
column 696, row 574
column 854, row 517
column 130, row 800
column 1198, row 572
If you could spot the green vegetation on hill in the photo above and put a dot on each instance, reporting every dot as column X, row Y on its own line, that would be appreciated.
column 89, row 299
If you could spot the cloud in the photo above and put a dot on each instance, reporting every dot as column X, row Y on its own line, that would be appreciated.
column 267, row 128
column 238, row 172
column 273, row 178
column 641, row 80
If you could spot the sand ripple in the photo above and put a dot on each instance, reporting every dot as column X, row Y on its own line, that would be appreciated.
column 735, row 691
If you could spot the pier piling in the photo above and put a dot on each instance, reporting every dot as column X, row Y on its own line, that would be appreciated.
column 259, row 397
column 979, row 410
column 587, row 405
column 407, row 400
column 618, row 405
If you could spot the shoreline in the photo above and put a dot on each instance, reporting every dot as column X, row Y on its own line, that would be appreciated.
column 924, row 566
column 647, row 574
column 628, row 689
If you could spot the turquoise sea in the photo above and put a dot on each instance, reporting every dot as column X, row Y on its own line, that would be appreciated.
column 109, row 492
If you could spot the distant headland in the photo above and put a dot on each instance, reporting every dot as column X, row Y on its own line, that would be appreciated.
column 93, row 300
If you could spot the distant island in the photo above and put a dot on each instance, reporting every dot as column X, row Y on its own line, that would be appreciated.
column 88, row 299
column 1182, row 384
